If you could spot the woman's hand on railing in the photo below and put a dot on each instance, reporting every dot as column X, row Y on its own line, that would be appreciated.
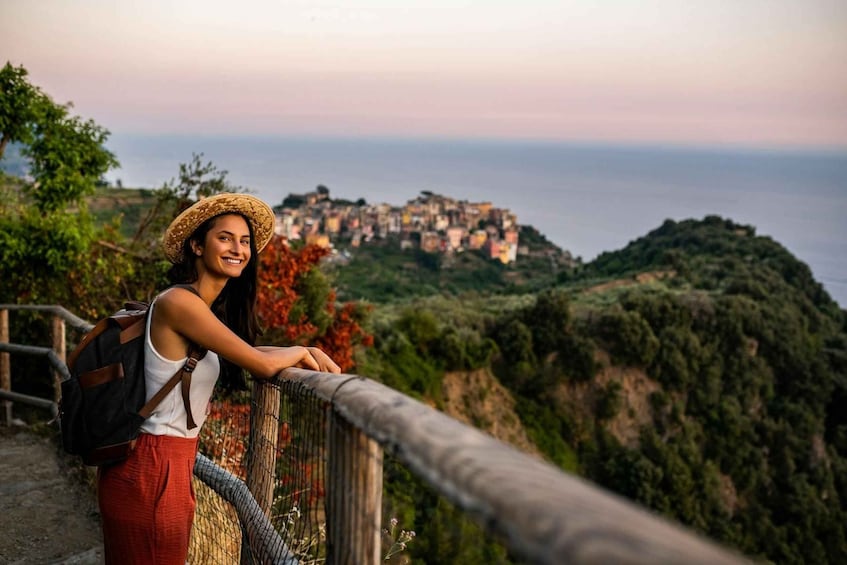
column 298, row 356
column 325, row 364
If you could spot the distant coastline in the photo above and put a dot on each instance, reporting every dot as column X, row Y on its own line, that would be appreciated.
column 586, row 198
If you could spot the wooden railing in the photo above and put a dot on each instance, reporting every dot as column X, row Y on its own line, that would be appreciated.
column 542, row 514
column 55, row 355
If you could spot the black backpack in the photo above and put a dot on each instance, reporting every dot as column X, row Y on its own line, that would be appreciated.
column 103, row 402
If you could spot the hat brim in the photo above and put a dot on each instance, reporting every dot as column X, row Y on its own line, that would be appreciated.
column 259, row 214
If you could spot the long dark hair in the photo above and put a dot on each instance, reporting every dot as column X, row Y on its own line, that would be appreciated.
column 235, row 306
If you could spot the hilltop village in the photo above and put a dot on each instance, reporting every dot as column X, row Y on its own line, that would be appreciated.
column 431, row 222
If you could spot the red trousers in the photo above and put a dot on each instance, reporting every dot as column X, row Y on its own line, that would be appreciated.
column 147, row 502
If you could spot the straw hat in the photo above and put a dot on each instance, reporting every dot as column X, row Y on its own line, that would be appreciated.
column 260, row 215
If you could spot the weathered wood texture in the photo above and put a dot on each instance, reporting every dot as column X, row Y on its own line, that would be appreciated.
column 56, row 356
column 261, row 457
column 542, row 514
column 264, row 436
column 5, row 369
column 354, row 495
column 59, row 347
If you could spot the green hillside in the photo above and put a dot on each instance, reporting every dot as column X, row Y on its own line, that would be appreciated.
column 700, row 371
column 380, row 271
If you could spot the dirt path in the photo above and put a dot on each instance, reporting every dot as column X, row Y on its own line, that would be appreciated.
column 46, row 515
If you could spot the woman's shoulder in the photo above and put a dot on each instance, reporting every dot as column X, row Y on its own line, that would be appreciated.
column 177, row 297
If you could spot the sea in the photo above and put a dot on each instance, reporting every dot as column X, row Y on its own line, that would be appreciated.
column 585, row 198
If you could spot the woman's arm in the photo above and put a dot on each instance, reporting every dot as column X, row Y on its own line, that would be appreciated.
column 181, row 316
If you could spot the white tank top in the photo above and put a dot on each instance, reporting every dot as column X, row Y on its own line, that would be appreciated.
column 169, row 418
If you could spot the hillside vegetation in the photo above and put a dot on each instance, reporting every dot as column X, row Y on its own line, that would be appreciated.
column 700, row 371
column 380, row 271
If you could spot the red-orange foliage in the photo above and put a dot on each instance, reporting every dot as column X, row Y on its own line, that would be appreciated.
column 280, row 267
column 342, row 334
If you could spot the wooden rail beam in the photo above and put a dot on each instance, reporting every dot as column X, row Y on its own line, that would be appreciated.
column 542, row 513
column 31, row 400
column 73, row 320
column 54, row 360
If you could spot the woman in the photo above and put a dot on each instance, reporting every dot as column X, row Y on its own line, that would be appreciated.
column 147, row 502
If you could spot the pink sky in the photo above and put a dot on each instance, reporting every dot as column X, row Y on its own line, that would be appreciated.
column 753, row 72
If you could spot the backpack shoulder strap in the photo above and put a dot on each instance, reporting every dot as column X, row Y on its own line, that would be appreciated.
column 182, row 375
column 131, row 320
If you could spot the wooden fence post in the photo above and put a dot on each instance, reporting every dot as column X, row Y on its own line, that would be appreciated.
column 60, row 349
column 261, row 461
column 5, row 369
column 264, row 436
column 354, row 495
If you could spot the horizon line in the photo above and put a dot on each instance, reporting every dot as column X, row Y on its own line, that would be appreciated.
column 665, row 145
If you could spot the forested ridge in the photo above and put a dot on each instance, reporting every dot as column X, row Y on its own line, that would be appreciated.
column 700, row 371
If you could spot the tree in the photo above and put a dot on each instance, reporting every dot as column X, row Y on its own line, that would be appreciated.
column 66, row 159
column 19, row 101
column 628, row 336
column 549, row 318
column 280, row 271
column 66, row 153
column 422, row 328
column 515, row 341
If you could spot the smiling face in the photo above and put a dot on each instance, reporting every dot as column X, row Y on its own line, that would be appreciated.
column 226, row 249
